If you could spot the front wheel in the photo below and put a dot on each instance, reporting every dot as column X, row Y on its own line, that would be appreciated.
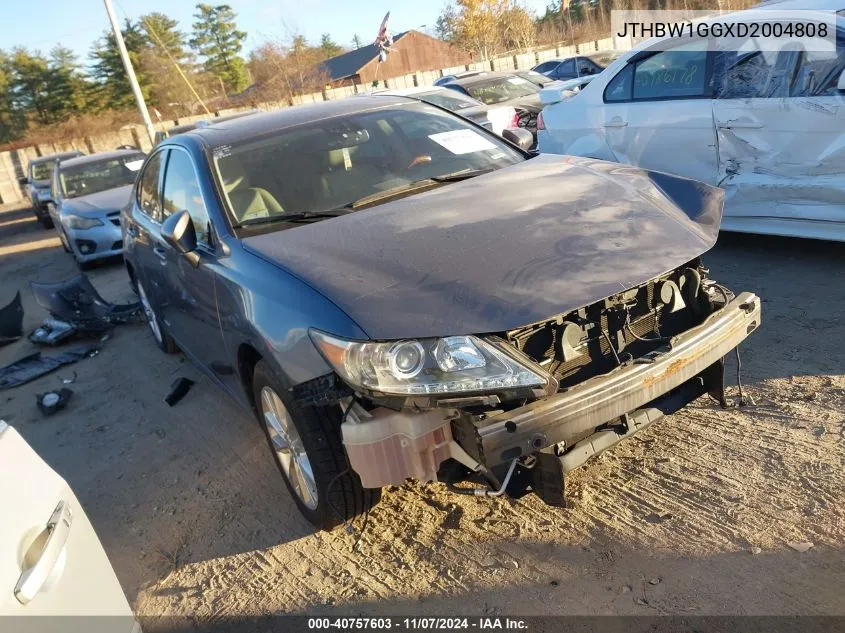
column 162, row 339
column 308, row 450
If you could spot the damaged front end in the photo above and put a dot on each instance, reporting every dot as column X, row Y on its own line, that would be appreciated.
column 516, row 410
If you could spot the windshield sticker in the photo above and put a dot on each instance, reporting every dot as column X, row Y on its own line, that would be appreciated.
column 134, row 165
column 223, row 151
column 462, row 141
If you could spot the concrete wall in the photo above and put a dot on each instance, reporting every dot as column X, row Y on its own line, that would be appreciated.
column 13, row 164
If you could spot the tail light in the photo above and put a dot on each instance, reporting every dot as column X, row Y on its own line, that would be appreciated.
column 541, row 125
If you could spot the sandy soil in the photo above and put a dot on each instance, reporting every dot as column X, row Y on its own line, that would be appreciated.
column 195, row 518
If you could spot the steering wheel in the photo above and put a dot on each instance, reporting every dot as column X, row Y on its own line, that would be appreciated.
column 418, row 160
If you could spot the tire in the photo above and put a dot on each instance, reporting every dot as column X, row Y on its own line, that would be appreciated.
column 162, row 339
column 335, row 494
column 46, row 221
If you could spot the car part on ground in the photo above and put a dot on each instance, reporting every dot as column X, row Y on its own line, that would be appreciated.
column 76, row 302
column 11, row 321
column 53, row 401
column 494, row 316
column 35, row 365
column 178, row 390
column 52, row 332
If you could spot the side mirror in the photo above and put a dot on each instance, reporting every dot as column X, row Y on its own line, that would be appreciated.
column 23, row 181
column 520, row 137
column 840, row 85
column 179, row 232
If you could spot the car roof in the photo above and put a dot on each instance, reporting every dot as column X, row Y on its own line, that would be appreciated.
column 49, row 157
column 499, row 74
column 793, row 5
column 98, row 156
column 220, row 133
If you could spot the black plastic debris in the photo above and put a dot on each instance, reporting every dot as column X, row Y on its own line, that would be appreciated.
column 35, row 365
column 178, row 390
column 76, row 302
column 11, row 321
column 52, row 332
column 53, row 401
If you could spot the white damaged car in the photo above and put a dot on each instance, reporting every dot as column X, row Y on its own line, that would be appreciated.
column 768, row 126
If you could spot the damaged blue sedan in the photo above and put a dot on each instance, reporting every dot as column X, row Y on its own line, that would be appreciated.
column 395, row 292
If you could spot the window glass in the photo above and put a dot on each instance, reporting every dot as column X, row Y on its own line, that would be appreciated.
column 42, row 171
column 818, row 73
column 680, row 72
column 566, row 69
column 96, row 176
column 586, row 67
column 619, row 88
column 498, row 90
column 449, row 99
column 545, row 67
column 749, row 74
column 182, row 192
column 331, row 163
column 148, row 194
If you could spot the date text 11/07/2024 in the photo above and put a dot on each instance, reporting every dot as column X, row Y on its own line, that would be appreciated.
column 418, row 624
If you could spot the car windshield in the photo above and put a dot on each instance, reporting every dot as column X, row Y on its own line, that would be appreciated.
column 448, row 99
column 495, row 91
column 94, row 177
column 535, row 78
column 43, row 171
column 367, row 156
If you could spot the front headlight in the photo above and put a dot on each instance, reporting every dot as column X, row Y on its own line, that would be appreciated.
column 43, row 194
column 455, row 364
column 81, row 222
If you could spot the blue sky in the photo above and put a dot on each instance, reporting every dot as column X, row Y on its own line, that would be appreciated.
column 40, row 24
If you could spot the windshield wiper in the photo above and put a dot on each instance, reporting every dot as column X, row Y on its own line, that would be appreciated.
column 424, row 183
column 303, row 216
column 464, row 174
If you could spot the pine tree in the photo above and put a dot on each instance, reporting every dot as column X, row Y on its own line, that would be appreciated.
column 112, row 88
column 218, row 40
column 30, row 85
column 67, row 86
column 329, row 47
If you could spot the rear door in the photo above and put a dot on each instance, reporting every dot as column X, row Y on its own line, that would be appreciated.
column 781, row 132
column 658, row 112
column 51, row 561
column 189, row 306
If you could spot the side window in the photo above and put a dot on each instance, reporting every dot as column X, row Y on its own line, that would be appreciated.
column 677, row 73
column 585, row 67
column 545, row 67
column 148, row 194
column 182, row 192
column 619, row 88
column 818, row 73
column 566, row 69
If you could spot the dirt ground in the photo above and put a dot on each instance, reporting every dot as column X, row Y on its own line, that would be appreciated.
column 693, row 517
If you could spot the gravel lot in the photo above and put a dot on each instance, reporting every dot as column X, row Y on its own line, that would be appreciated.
column 694, row 516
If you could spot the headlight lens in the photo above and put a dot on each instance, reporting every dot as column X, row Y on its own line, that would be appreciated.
column 80, row 222
column 43, row 194
column 455, row 364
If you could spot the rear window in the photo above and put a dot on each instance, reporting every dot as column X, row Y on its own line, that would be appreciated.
column 450, row 100
column 42, row 171
column 495, row 91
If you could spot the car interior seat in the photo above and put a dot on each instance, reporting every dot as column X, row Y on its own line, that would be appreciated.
column 248, row 202
column 347, row 179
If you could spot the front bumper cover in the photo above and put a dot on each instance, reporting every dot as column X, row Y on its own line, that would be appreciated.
column 570, row 415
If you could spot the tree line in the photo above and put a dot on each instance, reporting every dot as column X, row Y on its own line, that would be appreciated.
column 179, row 73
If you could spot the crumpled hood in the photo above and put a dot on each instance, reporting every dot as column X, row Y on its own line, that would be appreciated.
column 498, row 251
column 96, row 204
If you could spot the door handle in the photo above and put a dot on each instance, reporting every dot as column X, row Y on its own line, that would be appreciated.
column 160, row 253
column 615, row 122
column 32, row 580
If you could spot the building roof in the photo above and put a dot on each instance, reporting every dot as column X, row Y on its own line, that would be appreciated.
column 348, row 64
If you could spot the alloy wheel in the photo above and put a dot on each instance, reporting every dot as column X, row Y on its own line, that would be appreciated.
column 288, row 447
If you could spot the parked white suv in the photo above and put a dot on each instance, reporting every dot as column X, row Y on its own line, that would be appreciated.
column 767, row 126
